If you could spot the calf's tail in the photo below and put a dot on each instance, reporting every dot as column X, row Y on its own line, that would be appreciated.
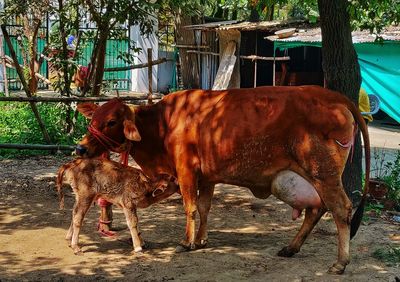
column 59, row 184
column 357, row 216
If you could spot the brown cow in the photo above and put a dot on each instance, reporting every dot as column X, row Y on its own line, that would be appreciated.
column 122, row 185
column 254, row 138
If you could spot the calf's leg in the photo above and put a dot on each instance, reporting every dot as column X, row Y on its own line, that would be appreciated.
column 80, row 209
column 132, row 220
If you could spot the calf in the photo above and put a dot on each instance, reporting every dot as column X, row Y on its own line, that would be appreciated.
column 121, row 185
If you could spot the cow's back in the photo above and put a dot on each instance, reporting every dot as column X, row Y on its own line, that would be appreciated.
column 251, row 134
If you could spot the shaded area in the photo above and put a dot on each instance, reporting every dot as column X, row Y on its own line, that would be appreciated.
column 245, row 235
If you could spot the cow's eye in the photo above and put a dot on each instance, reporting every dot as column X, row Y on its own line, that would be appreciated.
column 111, row 123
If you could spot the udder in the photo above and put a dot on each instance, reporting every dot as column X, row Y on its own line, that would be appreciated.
column 296, row 191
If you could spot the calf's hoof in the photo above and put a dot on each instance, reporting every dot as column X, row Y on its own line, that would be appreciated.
column 77, row 251
column 337, row 268
column 183, row 247
column 286, row 252
column 200, row 244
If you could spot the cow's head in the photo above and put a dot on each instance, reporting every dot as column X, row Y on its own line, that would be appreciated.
column 112, row 126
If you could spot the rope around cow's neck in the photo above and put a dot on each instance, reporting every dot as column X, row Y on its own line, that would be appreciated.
column 110, row 144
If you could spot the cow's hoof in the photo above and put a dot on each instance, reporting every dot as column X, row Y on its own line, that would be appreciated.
column 201, row 244
column 137, row 254
column 185, row 248
column 337, row 268
column 286, row 252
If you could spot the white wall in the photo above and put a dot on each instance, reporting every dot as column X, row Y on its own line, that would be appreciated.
column 139, row 77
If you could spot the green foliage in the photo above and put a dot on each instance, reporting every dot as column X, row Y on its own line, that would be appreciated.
column 374, row 207
column 374, row 15
column 389, row 255
column 388, row 172
column 18, row 125
column 392, row 178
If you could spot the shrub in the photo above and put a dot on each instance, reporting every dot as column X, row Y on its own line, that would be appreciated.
column 19, row 125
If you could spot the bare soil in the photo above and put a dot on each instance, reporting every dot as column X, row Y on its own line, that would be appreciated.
column 245, row 235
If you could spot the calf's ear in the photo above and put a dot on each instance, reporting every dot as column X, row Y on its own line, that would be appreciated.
column 130, row 131
column 87, row 109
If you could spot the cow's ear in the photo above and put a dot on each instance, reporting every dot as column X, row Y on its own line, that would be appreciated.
column 87, row 109
column 130, row 131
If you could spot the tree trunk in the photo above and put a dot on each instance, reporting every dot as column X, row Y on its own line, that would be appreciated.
column 100, row 61
column 342, row 73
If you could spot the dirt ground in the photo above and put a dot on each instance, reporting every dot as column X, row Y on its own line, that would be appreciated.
column 245, row 235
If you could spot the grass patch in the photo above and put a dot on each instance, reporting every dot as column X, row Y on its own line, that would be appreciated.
column 389, row 255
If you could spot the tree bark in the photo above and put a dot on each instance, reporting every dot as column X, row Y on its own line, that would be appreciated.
column 24, row 84
column 100, row 61
column 342, row 73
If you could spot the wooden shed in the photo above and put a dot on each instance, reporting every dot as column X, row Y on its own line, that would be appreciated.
column 237, row 55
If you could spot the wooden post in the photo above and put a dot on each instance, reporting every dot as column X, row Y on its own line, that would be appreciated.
column 3, row 60
column 24, row 84
column 150, row 75
column 255, row 64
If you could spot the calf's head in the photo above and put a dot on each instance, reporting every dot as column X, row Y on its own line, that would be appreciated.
column 111, row 127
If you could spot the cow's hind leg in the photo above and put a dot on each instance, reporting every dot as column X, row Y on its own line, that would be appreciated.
column 337, row 202
column 206, row 192
column 312, row 216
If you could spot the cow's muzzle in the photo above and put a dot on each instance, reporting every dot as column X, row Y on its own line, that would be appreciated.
column 80, row 150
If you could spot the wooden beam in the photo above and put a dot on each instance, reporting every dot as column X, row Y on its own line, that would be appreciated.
column 192, row 46
column 254, row 57
column 138, row 66
column 203, row 52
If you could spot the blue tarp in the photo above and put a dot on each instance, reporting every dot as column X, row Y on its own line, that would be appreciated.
column 380, row 70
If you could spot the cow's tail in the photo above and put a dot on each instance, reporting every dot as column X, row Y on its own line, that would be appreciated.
column 59, row 184
column 357, row 216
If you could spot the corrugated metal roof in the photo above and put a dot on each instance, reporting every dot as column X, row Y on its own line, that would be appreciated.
column 264, row 25
column 314, row 35
column 211, row 25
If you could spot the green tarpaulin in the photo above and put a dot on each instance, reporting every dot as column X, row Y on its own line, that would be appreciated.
column 380, row 70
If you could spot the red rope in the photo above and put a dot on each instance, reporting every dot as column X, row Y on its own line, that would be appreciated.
column 104, row 140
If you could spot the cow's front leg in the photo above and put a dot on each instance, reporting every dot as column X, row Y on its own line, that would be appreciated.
column 206, row 192
column 188, row 187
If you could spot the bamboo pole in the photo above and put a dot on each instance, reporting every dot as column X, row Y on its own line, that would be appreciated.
column 36, row 99
column 3, row 59
column 24, row 84
column 36, row 147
